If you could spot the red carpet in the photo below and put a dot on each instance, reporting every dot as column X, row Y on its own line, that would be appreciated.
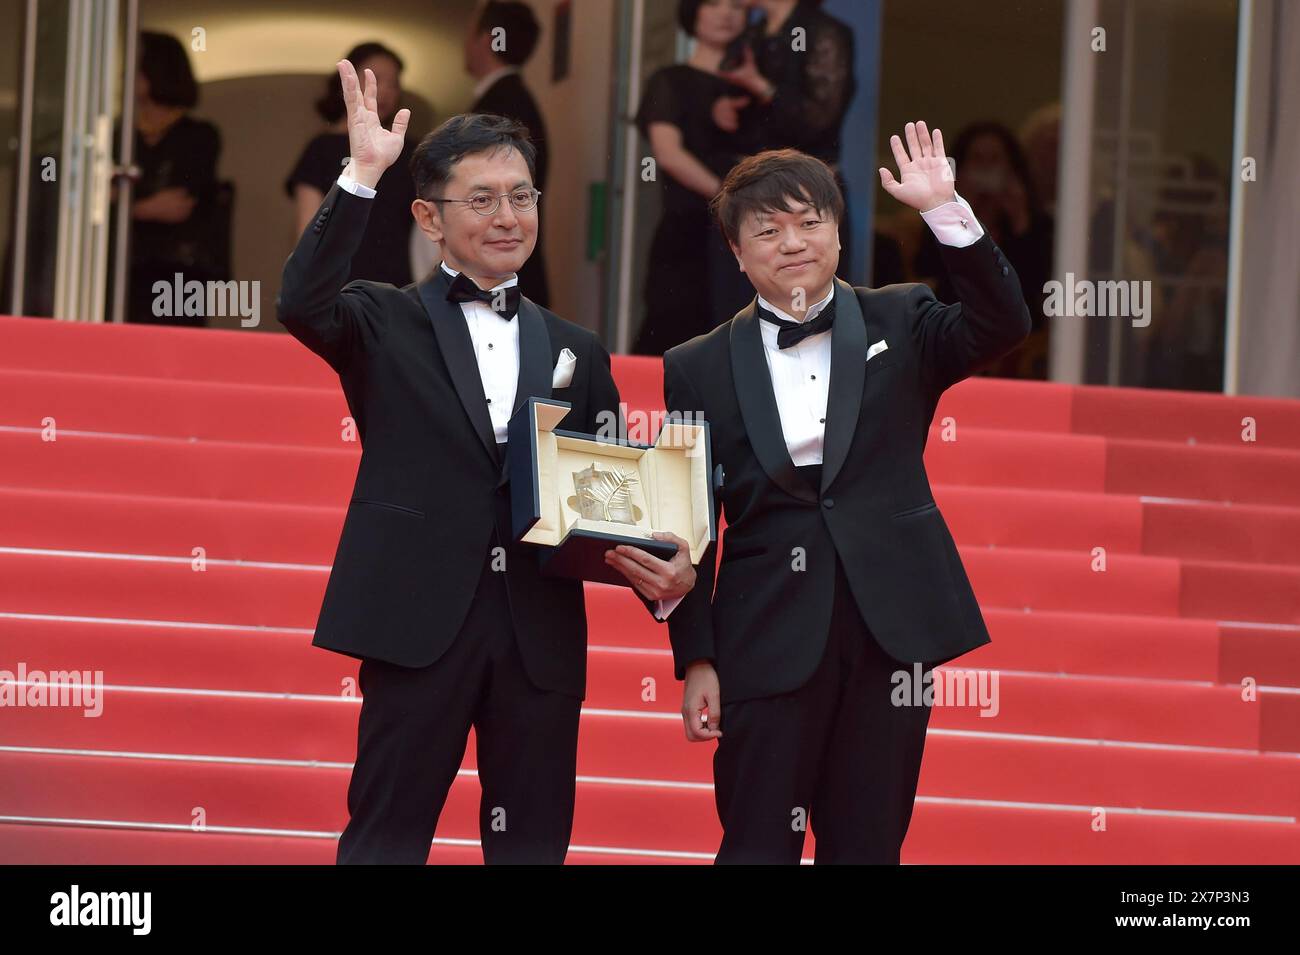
column 1122, row 732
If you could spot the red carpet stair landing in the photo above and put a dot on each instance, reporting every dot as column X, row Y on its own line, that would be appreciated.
column 1122, row 732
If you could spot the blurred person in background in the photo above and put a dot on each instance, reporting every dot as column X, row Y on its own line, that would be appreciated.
column 175, row 192
column 385, row 253
column 795, row 93
column 1189, row 245
column 500, row 89
column 1040, row 135
column 692, row 281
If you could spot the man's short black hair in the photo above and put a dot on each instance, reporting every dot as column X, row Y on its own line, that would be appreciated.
column 462, row 136
column 166, row 66
column 520, row 27
column 769, row 181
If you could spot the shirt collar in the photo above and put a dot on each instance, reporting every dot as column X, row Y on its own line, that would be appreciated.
column 808, row 316
column 513, row 280
column 485, row 84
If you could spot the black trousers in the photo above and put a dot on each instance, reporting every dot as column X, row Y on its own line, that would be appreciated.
column 835, row 754
column 412, row 733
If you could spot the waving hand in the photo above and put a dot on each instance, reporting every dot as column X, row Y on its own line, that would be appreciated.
column 925, row 180
column 373, row 148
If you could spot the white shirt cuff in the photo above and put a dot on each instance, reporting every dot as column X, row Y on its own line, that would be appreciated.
column 664, row 607
column 356, row 188
column 954, row 223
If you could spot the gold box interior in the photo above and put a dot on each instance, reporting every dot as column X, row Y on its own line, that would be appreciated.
column 670, row 492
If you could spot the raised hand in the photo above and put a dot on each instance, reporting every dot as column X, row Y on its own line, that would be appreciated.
column 925, row 180
column 373, row 148
column 726, row 112
column 747, row 76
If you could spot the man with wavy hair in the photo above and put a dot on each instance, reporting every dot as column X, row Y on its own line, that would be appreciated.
column 837, row 569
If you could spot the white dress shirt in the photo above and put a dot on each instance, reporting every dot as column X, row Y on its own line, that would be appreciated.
column 356, row 188
column 496, row 348
column 801, row 374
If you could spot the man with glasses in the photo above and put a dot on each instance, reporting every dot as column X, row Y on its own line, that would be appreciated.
column 453, row 622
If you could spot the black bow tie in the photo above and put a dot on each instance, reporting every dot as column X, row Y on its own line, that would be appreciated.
column 792, row 333
column 463, row 289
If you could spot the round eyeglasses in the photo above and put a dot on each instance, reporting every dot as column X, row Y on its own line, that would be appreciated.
column 486, row 204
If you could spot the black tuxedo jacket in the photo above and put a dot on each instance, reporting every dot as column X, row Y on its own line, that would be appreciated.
column 429, row 486
column 508, row 96
column 765, row 624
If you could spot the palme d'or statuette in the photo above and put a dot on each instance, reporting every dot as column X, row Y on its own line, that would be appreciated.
column 605, row 495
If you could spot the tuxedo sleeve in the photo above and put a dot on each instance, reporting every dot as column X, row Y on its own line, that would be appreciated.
column 989, row 319
column 690, row 626
column 331, row 316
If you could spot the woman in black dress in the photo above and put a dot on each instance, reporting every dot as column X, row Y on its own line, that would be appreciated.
column 690, row 285
column 384, row 254
column 174, row 196
column 799, row 94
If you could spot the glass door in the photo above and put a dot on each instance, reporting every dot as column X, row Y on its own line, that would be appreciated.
column 69, row 89
column 1153, row 299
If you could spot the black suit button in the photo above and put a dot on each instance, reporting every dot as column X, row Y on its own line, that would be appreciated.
column 324, row 210
column 1005, row 270
column 828, row 502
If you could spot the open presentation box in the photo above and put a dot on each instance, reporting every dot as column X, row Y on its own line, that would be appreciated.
column 577, row 495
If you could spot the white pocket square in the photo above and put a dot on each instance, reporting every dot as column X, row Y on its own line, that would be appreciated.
column 563, row 374
column 876, row 349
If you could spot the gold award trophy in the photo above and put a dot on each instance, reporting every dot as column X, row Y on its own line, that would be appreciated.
column 605, row 495
column 577, row 496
